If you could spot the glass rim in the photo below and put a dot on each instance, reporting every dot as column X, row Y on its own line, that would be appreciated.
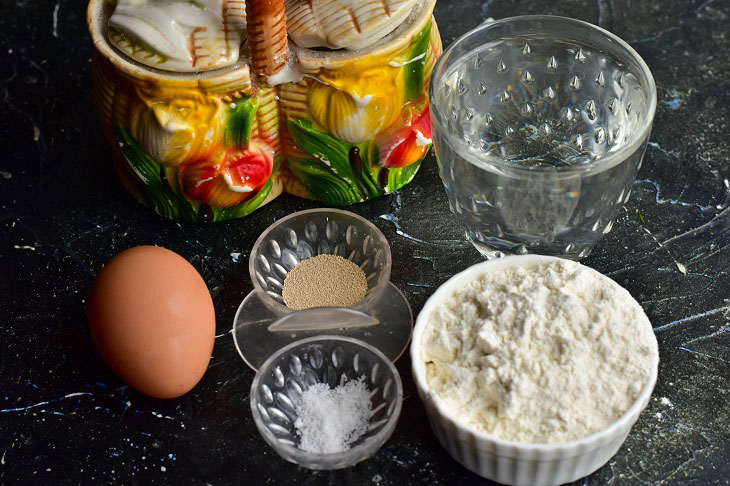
column 613, row 158
column 357, row 453
column 282, row 309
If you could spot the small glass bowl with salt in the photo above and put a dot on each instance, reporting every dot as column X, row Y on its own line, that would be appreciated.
column 326, row 402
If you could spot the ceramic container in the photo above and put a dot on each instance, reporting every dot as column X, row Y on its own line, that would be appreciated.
column 337, row 126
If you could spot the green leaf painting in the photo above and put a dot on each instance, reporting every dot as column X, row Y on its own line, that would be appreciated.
column 330, row 176
column 155, row 192
column 240, row 122
column 158, row 195
column 336, row 176
column 369, row 171
column 325, row 185
column 414, row 70
column 398, row 178
column 246, row 207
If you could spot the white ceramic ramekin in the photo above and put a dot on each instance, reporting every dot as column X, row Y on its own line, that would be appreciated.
column 502, row 460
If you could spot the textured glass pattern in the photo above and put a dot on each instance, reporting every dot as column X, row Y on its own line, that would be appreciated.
column 540, row 126
column 279, row 384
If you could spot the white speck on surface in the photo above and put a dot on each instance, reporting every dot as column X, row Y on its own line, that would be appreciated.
column 163, row 468
column 288, row 74
column 2, row 459
column 399, row 64
column 693, row 317
column 233, row 187
column 5, row 175
column 159, row 415
column 362, row 102
column 55, row 19
column 235, row 256
column 658, row 415
column 377, row 478
column 216, row 337
column 681, row 268
column 24, row 247
column 422, row 140
column 203, row 181
column 666, row 402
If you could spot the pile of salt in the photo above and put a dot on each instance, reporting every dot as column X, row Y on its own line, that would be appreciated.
column 330, row 420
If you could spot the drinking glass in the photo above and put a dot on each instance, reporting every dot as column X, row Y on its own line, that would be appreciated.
column 540, row 125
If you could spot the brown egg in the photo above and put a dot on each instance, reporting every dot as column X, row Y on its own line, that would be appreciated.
column 152, row 320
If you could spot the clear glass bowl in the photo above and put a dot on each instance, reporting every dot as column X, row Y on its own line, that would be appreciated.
column 540, row 125
column 305, row 234
column 278, row 386
column 264, row 323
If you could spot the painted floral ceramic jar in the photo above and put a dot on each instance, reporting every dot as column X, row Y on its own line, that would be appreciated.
column 315, row 117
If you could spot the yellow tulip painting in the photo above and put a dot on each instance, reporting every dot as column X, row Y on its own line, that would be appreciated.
column 358, row 103
column 181, row 129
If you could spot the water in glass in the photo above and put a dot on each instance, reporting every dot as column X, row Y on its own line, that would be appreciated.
column 524, row 144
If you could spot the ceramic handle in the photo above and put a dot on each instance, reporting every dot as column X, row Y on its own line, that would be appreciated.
column 267, row 39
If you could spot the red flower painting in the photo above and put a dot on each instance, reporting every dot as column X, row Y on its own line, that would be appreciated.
column 408, row 144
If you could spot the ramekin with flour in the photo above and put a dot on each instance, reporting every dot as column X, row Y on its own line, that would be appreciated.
column 501, row 352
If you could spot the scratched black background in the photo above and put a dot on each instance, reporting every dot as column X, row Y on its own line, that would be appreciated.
column 64, row 417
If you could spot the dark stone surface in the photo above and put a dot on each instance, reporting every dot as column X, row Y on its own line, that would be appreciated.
column 65, row 418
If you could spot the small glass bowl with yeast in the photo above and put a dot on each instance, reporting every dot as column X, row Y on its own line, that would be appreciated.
column 264, row 323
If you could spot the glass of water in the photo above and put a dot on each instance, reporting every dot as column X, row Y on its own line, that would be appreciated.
column 540, row 124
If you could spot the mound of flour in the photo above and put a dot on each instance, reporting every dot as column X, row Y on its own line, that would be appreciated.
column 547, row 355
